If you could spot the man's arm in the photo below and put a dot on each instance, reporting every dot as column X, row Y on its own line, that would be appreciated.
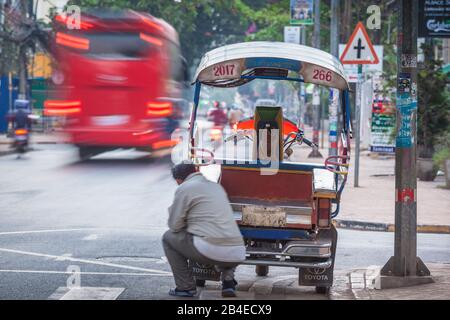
column 178, row 211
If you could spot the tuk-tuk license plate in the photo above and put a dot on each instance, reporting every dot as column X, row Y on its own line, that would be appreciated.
column 204, row 271
column 263, row 216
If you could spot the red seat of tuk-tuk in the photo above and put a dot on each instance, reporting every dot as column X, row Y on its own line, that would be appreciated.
column 280, row 183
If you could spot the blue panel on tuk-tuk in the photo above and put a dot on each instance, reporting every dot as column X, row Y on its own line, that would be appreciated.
column 272, row 63
column 274, row 234
column 289, row 166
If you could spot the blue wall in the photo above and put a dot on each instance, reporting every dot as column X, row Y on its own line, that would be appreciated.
column 4, row 100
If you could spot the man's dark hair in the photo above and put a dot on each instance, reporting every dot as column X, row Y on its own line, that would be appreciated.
column 181, row 170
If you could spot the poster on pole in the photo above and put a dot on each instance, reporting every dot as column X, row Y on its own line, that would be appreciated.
column 383, row 123
column 302, row 12
column 292, row 34
column 434, row 18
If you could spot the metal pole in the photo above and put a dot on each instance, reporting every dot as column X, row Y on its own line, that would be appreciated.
column 10, row 91
column 334, row 93
column 23, row 55
column 358, row 124
column 316, row 95
column 301, row 118
column 405, row 262
column 322, row 124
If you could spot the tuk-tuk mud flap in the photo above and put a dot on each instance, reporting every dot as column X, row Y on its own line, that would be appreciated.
column 204, row 271
column 322, row 277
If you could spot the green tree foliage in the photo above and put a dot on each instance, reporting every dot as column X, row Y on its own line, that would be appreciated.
column 270, row 18
column 201, row 24
column 434, row 103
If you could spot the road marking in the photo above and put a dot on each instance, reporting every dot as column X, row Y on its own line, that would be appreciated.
column 163, row 260
column 86, row 273
column 66, row 258
column 92, row 293
column 91, row 237
column 84, row 229
column 46, row 231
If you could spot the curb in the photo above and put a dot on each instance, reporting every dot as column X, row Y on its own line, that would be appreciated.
column 6, row 153
column 40, row 142
column 387, row 227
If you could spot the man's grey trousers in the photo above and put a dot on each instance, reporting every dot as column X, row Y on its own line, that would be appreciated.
column 179, row 248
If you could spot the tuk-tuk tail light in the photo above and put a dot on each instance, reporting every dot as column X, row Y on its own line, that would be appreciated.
column 19, row 132
column 324, row 213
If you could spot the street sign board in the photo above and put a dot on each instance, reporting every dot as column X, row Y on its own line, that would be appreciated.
column 351, row 70
column 359, row 49
column 434, row 19
column 302, row 12
column 292, row 34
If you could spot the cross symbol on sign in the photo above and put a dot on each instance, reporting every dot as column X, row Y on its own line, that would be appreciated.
column 359, row 47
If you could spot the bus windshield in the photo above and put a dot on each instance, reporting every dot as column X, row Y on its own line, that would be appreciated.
column 118, row 46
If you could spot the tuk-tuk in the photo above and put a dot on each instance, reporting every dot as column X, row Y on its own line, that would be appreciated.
column 284, row 208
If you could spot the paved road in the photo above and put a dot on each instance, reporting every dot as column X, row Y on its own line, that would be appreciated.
column 105, row 218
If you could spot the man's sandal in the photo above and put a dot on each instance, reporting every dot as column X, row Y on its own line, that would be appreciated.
column 182, row 293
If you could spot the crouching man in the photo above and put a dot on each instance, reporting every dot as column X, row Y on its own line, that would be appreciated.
column 202, row 229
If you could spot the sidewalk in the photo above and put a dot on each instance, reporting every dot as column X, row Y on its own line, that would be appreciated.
column 356, row 284
column 360, row 284
column 371, row 206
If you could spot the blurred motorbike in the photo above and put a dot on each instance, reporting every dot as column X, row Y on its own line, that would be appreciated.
column 20, row 142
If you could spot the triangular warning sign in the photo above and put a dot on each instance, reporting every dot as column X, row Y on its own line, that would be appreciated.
column 359, row 49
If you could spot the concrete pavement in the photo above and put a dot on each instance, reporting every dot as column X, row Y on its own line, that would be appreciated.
column 361, row 284
column 371, row 206
column 352, row 284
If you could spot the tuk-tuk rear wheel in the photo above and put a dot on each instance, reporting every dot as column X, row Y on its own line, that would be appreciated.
column 322, row 290
column 262, row 271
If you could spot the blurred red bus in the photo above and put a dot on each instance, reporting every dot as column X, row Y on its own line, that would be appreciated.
column 119, row 79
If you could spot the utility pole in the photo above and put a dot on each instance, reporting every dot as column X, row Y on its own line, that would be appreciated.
column 334, row 93
column 23, row 55
column 358, row 125
column 316, row 91
column 302, row 91
column 405, row 268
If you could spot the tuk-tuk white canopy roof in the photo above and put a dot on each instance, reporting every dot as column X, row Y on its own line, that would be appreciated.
column 235, row 64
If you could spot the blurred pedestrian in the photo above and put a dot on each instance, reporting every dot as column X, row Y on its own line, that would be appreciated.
column 217, row 115
column 235, row 115
column 201, row 229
